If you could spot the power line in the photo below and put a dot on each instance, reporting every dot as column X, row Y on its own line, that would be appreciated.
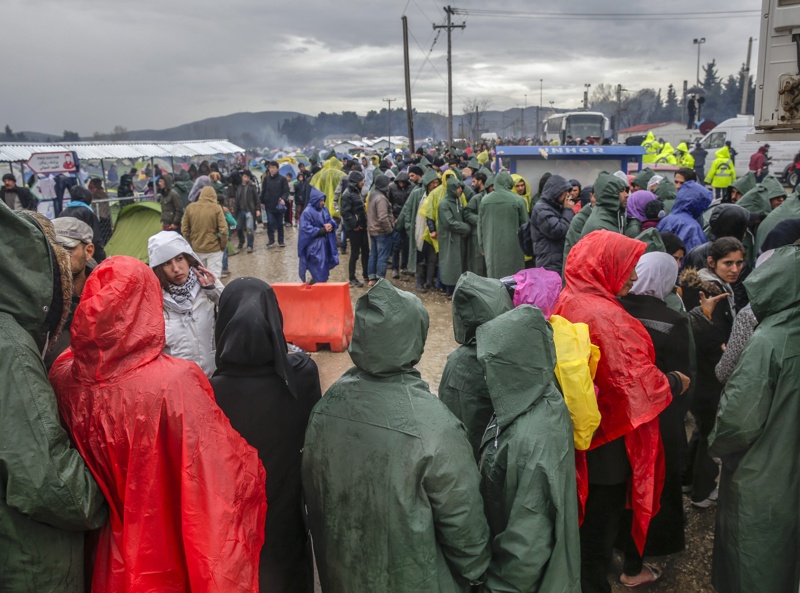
column 607, row 16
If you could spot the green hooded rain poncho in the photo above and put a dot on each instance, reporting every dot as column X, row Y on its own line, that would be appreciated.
column 757, row 199
column 463, row 389
column 745, row 183
column 408, row 215
column 453, row 233
column 528, row 460
column 641, row 178
column 607, row 213
column 757, row 536
column 500, row 215
column 48, row 498
column 667, row 192
column 327, row 180
column 389, row 477
column 790, row 208
column 476, row 263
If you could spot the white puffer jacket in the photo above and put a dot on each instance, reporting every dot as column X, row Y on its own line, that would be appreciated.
column 190, row 329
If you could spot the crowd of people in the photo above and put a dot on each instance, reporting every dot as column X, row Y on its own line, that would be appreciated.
column 164, row 435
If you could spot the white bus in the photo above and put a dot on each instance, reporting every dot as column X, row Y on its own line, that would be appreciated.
column 578, row 124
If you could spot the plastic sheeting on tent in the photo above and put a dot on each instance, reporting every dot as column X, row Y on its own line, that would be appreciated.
column 135, row 225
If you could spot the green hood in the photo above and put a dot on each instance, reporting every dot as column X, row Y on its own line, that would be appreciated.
column 745, row 183
column 427, row 177
column 606, row 191
column 516, row 379
column 423, row 162
column 474, row 164
column 477, row 300
column 503, row 180
column 26, row 266
column 666, row 190
column 452, row 185
column 642, row 178
column 774, row 286
column 652, row 238
column 389, row 331
column 757, row 199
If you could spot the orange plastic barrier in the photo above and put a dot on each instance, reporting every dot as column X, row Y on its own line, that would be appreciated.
column 316, row 315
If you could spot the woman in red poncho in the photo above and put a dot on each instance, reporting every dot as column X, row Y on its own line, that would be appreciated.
column 186, row 492
column 626, row 459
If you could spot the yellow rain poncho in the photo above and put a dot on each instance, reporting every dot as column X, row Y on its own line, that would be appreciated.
column 667, row 155
column 685, row 159
column 573, row 350
column 430, row 207
column 525, row 196
column 651, row 147
column 483, row 157
column 327, row 180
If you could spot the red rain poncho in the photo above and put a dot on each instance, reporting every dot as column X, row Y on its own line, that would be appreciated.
column 186, row 492
column 632, row 392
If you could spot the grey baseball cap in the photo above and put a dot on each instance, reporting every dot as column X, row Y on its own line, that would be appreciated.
column 70, row 231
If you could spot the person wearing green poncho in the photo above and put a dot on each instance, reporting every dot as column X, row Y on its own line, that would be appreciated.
column 422, row 255
column 742, row 185
column 482, row 183
column 452, row 235
column 500, row 215
column 389, row 477
column 757, row 534
column 609, row 211
column 790, row 208
column 528, row 460
column 463, row 387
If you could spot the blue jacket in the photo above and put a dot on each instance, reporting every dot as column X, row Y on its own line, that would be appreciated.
column 691, row 201
column 316, row 248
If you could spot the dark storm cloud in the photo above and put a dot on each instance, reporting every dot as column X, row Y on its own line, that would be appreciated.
column 88, row 65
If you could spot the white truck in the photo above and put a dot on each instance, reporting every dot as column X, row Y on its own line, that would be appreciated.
column 737, row 129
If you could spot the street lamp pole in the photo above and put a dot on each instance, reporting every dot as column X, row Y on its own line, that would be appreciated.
column 539, row 109
column 698, row 43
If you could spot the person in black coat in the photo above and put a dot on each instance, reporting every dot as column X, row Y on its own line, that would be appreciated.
column 302, row 193
column 80, row 208
column 708, row 294
column 669, row 331
column 268, row 395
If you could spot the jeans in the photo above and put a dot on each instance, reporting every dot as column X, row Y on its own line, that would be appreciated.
column 380, row 249
column 359, row 246
column 400, row 252
column 225, row 260
column 274, row 222
column 245, row 223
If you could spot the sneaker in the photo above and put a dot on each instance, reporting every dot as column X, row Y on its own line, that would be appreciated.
column 225, row 274
column 240, row 246
column 421, row 288
column 288, row 225
column 250, row 249
column 281, row 244
column 686, row 489
column 396, row 275
column 270, row 245
column 406, row 273
column 710, row 501
column 356, row 283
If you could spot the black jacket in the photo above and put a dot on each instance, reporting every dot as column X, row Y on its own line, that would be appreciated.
column 274, row 188
column 669, row 331
column 398, row 195
column 25, row 196
column 549, row 225
column 352, row 209
column 268, row 396
column 302, row 192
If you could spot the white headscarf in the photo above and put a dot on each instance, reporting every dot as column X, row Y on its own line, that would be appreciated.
column 657, row 274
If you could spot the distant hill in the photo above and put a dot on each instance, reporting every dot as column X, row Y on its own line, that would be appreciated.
column 246, row 129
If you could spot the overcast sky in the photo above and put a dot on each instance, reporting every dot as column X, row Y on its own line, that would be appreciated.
column 88, row 65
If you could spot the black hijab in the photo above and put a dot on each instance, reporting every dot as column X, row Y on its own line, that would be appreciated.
column 249, row 332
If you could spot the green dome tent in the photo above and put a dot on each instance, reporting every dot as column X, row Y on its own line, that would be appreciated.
column 135, row 225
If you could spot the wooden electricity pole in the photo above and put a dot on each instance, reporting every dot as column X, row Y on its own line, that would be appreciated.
column 449, row 26
column 390, row 101
column 409, row 117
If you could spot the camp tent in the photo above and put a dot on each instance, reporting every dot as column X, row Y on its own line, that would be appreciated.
column 135, row 225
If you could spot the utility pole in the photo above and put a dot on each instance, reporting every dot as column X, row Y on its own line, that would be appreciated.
column 618, row 123
column 586, row 96
column 390, row 101
column 698, row 43
column 449, row 26
column 477, row 125
column 683, row 103
column 522, row 117
column 746, row 78
column 539, row 110
column 409, row 116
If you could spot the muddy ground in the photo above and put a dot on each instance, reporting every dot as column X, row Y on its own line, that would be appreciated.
column 687, row 572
